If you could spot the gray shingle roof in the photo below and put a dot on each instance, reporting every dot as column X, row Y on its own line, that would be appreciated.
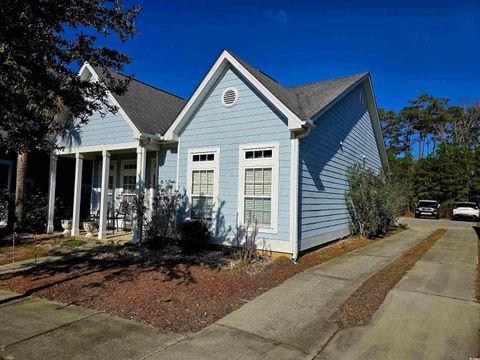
column 308, row 99
column 152, row 110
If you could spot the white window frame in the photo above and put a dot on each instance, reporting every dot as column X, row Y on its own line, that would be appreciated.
column 122, row 173
column 204, row 165
column 272, row 162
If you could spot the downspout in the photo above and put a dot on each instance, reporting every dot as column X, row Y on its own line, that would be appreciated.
column 295, row 168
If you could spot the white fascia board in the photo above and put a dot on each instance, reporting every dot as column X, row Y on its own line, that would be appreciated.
column 294, row 122
column 111, row 98
column 366, row 81
column 216, row 71
column 375, row 118
column 340, row 97
column 96, row 148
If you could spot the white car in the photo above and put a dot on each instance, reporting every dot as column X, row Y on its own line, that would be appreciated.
column 466, row 210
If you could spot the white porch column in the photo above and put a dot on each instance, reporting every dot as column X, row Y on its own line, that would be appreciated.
column 102, row 229
column 51, row 192
column 77, row 194
column 141, row 170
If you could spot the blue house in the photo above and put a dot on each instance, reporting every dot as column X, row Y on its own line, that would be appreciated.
column 242, row 146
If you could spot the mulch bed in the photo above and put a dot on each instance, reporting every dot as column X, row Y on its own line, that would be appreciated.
column 178, row 296
column 361, row 305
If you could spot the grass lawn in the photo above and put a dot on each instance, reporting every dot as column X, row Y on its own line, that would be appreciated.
column 167, row 289
column 27, row 247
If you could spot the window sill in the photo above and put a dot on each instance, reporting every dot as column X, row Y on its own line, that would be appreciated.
column 265, row 229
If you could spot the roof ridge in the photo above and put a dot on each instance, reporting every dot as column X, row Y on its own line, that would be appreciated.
column 325, row 80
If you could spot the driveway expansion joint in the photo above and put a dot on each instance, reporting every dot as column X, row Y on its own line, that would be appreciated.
column 313, row 273
column 50, row 330
column 272, row 341
column 436, row 295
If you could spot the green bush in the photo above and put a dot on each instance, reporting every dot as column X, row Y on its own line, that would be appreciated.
column 194, row 235
column 446, row 209
column 36, row 204
column 372, row 201
column 160, row 221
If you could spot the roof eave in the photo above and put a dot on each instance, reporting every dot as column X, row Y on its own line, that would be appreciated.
column 111, row 97
column 220, row 66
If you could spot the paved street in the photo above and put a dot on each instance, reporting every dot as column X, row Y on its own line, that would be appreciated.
column 430, row 314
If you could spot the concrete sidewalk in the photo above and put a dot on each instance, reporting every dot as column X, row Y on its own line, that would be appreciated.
column 23, row 265
column 40, row 329
column 430, row 314
column 289, row 321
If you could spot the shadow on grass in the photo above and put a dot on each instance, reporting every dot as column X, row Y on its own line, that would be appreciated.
column 119, row 263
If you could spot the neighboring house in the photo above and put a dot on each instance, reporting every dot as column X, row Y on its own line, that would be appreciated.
column 242, row 145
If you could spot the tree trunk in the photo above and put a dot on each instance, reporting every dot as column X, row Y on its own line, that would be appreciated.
column 20, row 189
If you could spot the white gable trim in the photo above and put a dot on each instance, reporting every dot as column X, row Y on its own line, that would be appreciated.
column 111, row 98
column 372, row 109
column 377, row 128
column 209, row 81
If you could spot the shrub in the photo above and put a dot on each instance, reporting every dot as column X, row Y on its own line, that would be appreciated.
column 372, row 200
column 36, row 204
column 193, row 235
column 161, row 218
column 446, row 209
column 246, row 241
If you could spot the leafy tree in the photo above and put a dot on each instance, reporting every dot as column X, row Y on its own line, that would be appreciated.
column 41, row 42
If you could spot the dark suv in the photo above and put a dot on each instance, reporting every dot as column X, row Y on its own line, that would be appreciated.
column 427, row 208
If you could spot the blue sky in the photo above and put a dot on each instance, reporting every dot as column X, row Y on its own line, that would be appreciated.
column 410, row 47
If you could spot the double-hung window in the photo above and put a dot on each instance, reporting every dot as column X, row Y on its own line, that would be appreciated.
column 258, row 185
column 203, row 182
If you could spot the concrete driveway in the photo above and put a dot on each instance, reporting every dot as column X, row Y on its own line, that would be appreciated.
column 430, row 314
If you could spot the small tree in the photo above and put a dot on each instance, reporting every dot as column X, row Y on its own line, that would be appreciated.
column 162, row 216
column 41, row 44
column 247, row 234
column 372, row 200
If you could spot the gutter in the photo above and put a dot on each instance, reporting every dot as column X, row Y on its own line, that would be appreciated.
column 295, row 168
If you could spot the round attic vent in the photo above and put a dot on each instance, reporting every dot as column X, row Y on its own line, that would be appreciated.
column 230, row 97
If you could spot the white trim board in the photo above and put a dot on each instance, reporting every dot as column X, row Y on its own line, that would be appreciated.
column 263, row 243
column 221, row 65
column 97, row 148
column 207, row 165
column 272, row 162
column 366, row 82
column 111, row 98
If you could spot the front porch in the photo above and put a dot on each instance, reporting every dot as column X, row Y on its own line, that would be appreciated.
column 118, row 175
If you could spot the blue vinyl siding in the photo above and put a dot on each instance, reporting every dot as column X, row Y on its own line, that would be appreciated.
column 251, row 120
column 167, row 164
column 110, row 129
column 323, row 214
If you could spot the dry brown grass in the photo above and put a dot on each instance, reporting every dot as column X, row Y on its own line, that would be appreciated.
column 361, row 305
